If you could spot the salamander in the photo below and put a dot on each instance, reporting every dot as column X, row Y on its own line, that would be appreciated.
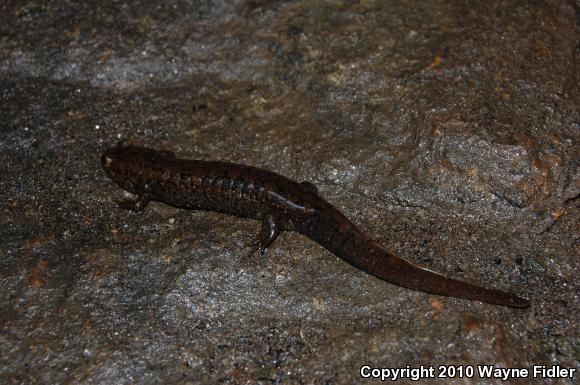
column 281, row 204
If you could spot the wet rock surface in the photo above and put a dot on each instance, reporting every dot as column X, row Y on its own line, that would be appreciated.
column 447, row 130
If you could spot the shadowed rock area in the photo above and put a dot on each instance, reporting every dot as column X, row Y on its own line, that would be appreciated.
column 447, row 130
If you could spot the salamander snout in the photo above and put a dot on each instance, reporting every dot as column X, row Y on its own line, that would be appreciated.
column 111, row 161
column 108, row 160
column 123, row 163
column 113, row 155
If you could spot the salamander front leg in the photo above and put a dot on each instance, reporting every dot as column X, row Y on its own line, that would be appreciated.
column 134, row 204
column 268, row 233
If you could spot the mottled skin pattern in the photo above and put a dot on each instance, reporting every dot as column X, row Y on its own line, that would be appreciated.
column 281, row 204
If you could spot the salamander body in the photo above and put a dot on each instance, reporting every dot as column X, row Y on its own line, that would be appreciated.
column 281, row 204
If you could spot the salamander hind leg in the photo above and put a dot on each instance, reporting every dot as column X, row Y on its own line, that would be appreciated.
column 134, row 204
column 268, row 233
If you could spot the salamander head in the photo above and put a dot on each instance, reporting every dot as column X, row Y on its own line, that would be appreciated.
column 125, row 164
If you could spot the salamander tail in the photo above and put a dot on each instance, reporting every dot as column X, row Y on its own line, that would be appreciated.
column 390, row 267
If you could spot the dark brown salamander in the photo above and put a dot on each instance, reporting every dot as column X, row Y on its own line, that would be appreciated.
column 281, row 204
